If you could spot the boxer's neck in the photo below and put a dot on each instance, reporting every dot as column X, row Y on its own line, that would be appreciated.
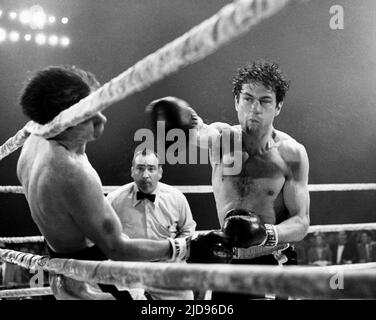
column 73, row 140
column 258, row 142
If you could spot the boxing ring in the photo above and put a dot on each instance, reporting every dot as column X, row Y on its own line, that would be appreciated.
column 229, row 23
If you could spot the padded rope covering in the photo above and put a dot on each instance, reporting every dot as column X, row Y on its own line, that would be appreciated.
column 305, row 282
column 26, row 292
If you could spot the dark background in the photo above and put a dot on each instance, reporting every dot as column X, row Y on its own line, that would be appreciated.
column 330, row 107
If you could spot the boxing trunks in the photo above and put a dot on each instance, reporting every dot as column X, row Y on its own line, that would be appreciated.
column 285, row 256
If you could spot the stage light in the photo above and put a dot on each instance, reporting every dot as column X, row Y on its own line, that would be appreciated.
column 38, row 17
column 25, row 17
column 64, row 41
column 51, row 19
column 12, row 15
column 40, row 39
column 27, row 37
column 14, row 36
column 64, row 20
column 53, row 40
column 3, row 35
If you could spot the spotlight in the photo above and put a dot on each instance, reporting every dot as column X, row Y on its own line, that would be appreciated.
column 14, row 36
column 3, row 34
column 64, row 41
column 1, row 13
column 64, row 20
column 38, row 17
column 25, row 17
column 51, row 19
column 12, row 15
column 53, row 40
column 27, row 37
column 40, row 39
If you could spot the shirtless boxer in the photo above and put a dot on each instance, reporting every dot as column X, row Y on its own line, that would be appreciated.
column 65, row 193
column 267, row 201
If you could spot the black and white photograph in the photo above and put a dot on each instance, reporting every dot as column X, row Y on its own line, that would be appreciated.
column 194, row 156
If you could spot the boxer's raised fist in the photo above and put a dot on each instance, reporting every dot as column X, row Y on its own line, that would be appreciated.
column 175, row 112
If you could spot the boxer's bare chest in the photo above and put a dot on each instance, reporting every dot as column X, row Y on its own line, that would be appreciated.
column 257, row 187
column 261, row 175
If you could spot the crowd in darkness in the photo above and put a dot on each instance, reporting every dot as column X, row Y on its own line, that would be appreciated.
column 337, row 248
column 318, row 249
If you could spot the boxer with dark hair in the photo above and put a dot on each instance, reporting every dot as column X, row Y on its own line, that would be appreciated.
column 266, row 202
column 65, row 194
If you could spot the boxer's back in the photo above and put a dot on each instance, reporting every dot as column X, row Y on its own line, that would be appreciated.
column 41, row 169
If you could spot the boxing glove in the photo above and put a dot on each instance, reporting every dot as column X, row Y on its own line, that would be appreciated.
column 175, row 112
column 244, row 228
column 213, row 247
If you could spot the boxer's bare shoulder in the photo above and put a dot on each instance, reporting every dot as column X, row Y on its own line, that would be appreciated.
column 292, row 152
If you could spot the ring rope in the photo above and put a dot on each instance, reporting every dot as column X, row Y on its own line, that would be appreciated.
column 28, row 239
column 342, row 227
column 209, row 188
column 312, row 229
column 26, row 292
column 44, row 291
column 294, row 281
column 202, row 40
column 11, row 286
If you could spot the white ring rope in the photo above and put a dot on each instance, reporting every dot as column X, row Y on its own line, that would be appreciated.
column 342, row 227
column 204, row 39
column 25, row 292
column 312, row 229
column 44, row 291
column 294, row 281
column 17, row 240
column 209, row 189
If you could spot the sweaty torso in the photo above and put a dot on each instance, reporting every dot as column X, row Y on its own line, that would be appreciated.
column 259, row 185
column 41, row 169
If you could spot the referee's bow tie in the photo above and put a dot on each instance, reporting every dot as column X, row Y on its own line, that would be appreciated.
column 140, row 196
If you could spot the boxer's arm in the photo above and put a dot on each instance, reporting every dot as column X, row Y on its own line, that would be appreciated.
column 296, row 197
column 207, row 135
column 178, row 114
column 83, row 198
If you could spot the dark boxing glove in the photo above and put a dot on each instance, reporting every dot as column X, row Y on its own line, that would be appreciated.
column 175, row 112
column 212, row 247
column 245, row 229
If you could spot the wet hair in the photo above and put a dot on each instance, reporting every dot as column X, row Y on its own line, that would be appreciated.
column 267, row 73
column 54, row 89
